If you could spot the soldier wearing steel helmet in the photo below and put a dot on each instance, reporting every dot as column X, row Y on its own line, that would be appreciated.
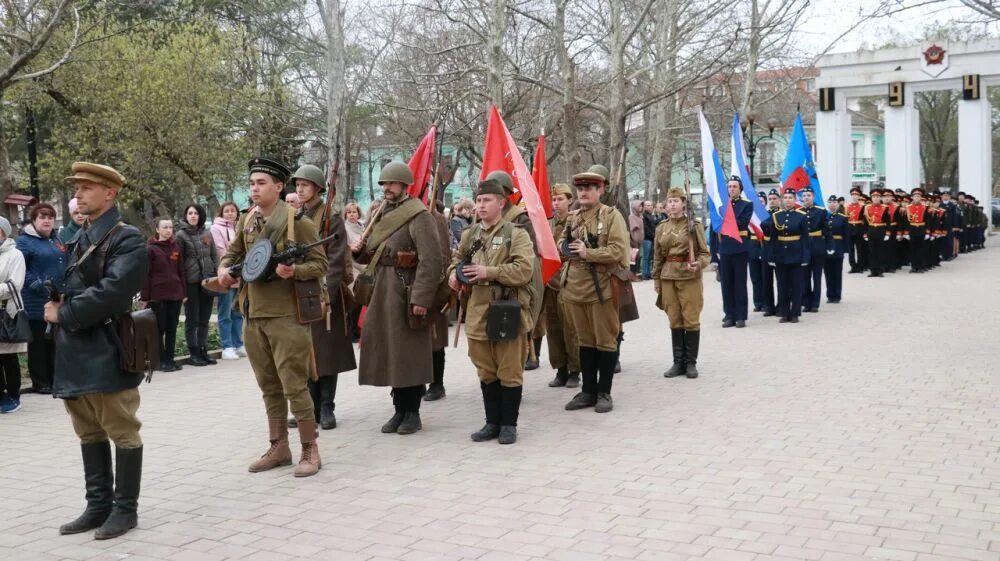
column 331, row 337
column 403, row 270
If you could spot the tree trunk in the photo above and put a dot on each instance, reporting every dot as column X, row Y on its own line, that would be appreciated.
column 7, row 185
column 753, row 60
column 494, row 78
column 617, row 116
column 336, row 83
column 571, row 112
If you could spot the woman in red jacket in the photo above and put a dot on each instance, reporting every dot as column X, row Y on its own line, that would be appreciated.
column 165, row 289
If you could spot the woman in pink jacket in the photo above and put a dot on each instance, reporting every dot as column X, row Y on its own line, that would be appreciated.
column 230, row 318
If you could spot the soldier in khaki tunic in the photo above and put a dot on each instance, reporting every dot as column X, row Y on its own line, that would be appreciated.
column 517, row 215
column 331, row 336
column 107, row 265
column 278, row 346
column 564, row 354
column 679, row 257
column 597, row 243
column 497, row 260
column 399, row 286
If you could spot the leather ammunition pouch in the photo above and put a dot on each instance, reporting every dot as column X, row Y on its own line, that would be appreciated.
column 624, row 296
column 503, row 319
column 308, row 301
column 406, row 260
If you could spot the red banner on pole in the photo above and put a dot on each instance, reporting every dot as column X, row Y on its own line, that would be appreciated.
column 501, row 153
column 420, row 165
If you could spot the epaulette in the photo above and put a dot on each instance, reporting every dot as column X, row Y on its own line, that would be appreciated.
column 802, row 212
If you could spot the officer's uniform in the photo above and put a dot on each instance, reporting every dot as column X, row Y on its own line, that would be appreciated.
column 858, row 256
column 917, row 217
column 819, row 244
column 564, row 353
column 507, row 253
column 892, row 252
column 280, row 348
column 839, row 227
column 733, row 258
column 108, row 263
column 595, row 318
column 679, row 289
column 788, row 249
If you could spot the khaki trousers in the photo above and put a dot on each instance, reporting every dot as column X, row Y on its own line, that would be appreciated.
column 683, row 300
column 111, row 416
column 596, row 325
column 500, row 360
column 563, row 350
column 281, row 355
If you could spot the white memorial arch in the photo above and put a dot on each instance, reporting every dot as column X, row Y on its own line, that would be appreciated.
column 898, row 74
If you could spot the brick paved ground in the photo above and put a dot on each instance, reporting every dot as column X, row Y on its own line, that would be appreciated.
column 836, row 439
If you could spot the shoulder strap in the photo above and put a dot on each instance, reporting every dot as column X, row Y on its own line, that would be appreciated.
column 15, row 294
column 93, row 247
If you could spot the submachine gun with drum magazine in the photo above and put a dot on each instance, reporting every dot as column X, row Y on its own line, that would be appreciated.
column 262, row 261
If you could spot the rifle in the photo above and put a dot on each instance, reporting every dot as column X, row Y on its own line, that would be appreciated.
column 331, row 191
column 690, row 218
column 565, row 250
column 54, row 296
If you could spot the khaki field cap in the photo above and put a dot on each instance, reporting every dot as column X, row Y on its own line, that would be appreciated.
column 490, row 187
column 676, row 193
column 96, row 173
column 562, row 189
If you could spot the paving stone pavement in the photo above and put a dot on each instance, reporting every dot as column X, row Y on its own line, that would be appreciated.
column 868, row 431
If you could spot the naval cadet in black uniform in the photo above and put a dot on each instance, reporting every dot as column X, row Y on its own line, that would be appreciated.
column 788, row 253
column 839, row 228
column 819, row 248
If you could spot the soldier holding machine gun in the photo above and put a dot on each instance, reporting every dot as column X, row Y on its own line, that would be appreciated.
column 278, row 345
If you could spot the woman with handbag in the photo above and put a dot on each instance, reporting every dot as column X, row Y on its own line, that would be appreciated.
column 230, row 318
column 11, row 283
column 44, row 261
column 200, row 262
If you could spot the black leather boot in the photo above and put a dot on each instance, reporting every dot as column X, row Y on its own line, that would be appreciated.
column 435, row 390
column 100, row 482
column 587, row 397
column 677, row 342
column 392, row 425
column 491, row 405
column 327, row 418
column 194, row 357
column 510, row 406
column 207, row 358
column 691, row 341
column 560, row 380
column 128, row 474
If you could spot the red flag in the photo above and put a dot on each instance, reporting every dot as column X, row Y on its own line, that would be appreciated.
column 540, row 175
column 420, row 165
column 500, row 152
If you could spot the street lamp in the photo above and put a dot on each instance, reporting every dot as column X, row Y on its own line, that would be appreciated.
column 751, row 142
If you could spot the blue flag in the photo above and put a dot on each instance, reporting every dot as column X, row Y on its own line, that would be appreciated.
column 799, row 170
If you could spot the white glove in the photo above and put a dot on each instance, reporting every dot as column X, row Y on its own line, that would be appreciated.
column 866, row 237
column 886, row 238
column 805, row 264
column 829, row 252
column 771, row 263
column 906, row 237
column 927, row 236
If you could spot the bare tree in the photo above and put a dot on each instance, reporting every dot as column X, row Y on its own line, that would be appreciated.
column 27, row 30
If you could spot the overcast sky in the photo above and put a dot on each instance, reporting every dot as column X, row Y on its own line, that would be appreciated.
column 829, row 20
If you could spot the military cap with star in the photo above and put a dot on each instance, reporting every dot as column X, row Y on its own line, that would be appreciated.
column 774, row 192
column 588, row 178
column 562, row 189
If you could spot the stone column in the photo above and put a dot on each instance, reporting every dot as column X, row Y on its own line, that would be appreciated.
column 975, row 154
column 833, row 148
column 902, row 146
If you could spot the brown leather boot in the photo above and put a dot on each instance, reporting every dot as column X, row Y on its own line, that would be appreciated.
column 310, row 463
column 278, row 454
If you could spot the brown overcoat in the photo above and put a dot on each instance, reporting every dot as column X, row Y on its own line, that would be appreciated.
column 331, row 337
column 439, row 321
column 393, row 353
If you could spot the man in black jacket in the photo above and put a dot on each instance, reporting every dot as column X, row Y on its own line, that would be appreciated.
column 107, row 263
